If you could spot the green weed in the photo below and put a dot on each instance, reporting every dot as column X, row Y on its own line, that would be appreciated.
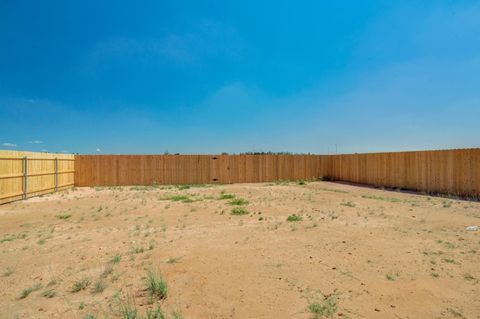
column 239, row 211
column 294, row 218
column 157, row 285
column 29, row 290
column 238, row 201
column 80, row 285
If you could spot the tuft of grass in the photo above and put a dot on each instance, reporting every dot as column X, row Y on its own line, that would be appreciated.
column 81, row 284
column 116, row 259
column 157, row 285
column 449, row 260
column 294, row 218
column 226, row 196
column 24, row 294
column 89, row 316
column 177, row 315
column 64, row 216
column 469, row 277
column 301, row 182
column 392, row 276
column 156, row 313
column 8, row 238
column 107, row 271
column 387, row 199
column 8, row 272
column 99, row 286
column 180, row 198
column 447, row 204
column 129, row 311
column 325, row 308
column 448, row 245
column 348, row 204
column 434, row 275
column 138, row 249
column 50, row 293
column 238, row 201
column 239, row 211
column 182, row 187
column 173, row 260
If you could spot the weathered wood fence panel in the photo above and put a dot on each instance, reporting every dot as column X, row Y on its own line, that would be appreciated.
column 26, row 174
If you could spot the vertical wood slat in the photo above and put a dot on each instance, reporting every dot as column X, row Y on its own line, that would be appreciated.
column 25, row 177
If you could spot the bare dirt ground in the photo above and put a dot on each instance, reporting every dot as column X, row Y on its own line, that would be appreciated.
column 356, row 253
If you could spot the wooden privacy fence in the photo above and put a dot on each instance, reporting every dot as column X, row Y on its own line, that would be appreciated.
column 25, row 174
column 103, row 170
column 455, row 172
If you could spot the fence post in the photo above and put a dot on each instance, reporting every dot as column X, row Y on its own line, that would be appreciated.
column 56, row 174
column 25, row 177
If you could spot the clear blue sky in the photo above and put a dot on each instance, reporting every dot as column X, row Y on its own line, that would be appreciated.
column 225, row 76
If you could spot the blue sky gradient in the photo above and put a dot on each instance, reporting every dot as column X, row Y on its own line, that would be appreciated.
column 221, row 76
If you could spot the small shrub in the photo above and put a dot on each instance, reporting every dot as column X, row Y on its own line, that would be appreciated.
column 238, row 201
column 294, row 218
column 157, row 285
column 182, row 187
column 238, row 211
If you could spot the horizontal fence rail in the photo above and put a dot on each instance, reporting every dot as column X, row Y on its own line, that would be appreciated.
column 26, row 174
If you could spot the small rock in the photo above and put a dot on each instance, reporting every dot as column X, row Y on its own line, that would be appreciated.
column 472, row 228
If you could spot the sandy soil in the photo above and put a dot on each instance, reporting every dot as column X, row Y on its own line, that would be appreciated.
column 356, row 253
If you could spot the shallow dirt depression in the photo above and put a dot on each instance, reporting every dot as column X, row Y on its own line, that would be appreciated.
column 300, row 250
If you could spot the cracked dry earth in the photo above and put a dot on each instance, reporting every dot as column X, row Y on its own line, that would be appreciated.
column 349, row 252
